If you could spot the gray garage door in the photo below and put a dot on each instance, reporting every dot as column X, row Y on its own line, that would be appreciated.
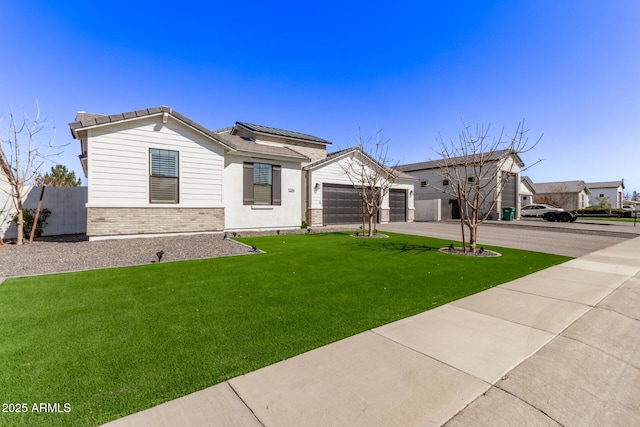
column 509, row 193
column 397, row 205
column 341, row 204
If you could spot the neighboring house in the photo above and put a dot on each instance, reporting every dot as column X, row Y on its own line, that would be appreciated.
column 569, row 195
column 433, row 185
column 526, row 191
column 607, row 194
column 155, row 171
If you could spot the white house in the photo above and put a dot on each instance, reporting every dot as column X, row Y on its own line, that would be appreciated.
column 609, row 193
column 433, row 184
column 155, row 171
column 527, row 191
column 569, row 195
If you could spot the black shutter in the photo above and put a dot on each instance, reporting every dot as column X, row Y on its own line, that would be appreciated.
column 276, row 185
column 247, row 184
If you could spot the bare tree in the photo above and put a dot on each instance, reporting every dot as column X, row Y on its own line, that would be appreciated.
column 477, row 168
column 372, row 173
column 21, row 159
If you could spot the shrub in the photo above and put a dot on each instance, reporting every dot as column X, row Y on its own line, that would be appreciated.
column 304, row 224
column 28, row 216
column 597, row 210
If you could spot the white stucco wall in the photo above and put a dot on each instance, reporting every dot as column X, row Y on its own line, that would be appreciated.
column 6, row 206
column 429, row 210
column 118, row 159
column 262, row 217
column 614, row 196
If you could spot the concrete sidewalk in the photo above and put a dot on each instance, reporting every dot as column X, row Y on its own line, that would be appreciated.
column 558, row 347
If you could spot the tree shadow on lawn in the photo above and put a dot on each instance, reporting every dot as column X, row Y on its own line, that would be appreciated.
column 400, row 247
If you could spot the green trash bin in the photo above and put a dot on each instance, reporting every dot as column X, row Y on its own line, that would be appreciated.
column 508, row 214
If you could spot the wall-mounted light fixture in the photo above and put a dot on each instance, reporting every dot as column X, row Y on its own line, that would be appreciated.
column 410, row 193
column 165, row 118
column 316, row 187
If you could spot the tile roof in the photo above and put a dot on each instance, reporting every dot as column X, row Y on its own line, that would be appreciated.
column 87, row 120
column 560, row 187
column 242, row 145
column 434, row 164
column 281, row 132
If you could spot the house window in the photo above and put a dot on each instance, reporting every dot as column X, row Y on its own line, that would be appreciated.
column 601, row 194
column 262, row 184
column 423, row 183
column 445, row 182
column 471, row 179
column 163, row 180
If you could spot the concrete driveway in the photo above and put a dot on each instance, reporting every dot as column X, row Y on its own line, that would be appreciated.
column 569, row 239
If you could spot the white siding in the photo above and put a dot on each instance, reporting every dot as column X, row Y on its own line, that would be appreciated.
column 118, row 158
column 252, row 217
column 334, row 172
column 614, row 196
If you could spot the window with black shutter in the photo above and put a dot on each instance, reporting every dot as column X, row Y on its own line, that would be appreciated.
column 261, row 184
column 164, row 179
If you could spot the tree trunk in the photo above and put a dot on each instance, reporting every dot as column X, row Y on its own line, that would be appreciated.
column 370, row 225
column 20, row 225
column 473, row 232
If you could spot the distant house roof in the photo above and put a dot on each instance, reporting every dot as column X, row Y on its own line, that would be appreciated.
column 266, row 130
column 561, row 187
column 337, row 154
column 436, row 164
column 606, row 184
column 231, row 142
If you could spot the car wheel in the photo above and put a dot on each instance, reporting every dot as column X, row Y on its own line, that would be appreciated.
column 565, row 217
column 550, row 216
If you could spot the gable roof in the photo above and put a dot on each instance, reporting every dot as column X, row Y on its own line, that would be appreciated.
column 528, row 183
column 266, row 130
column 343, row 153
column 436, row 164
column 90, row 120
column 606, row 184
column 561, row 187
column 233, row 143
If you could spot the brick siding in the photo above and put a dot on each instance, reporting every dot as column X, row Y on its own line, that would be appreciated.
column 126, row 221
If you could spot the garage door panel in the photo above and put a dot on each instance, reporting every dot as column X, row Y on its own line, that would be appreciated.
column 397, row 205
column 341, row 204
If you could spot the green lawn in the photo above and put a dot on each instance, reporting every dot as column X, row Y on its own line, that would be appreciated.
column 113, row 342
column 597, row 218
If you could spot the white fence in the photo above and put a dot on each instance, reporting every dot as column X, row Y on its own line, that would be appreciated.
column 428, row 210
column 67, row 206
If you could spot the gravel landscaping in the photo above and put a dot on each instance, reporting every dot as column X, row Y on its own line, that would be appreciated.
column 73, row 253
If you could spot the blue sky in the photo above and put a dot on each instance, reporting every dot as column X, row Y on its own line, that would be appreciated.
column 570, row 68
